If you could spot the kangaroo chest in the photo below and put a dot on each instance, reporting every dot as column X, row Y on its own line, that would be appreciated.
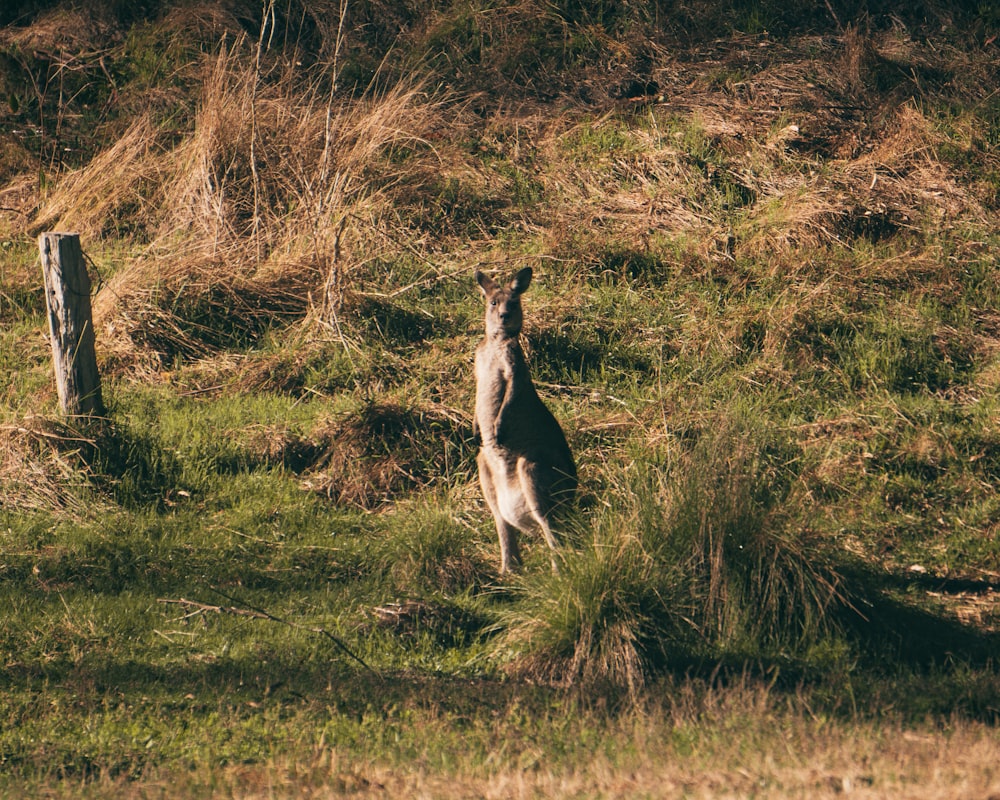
column 502, row 382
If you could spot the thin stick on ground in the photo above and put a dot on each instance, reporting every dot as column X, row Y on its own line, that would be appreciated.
column 246, row 610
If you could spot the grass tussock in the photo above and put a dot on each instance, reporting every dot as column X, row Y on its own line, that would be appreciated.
column 43, row 469
column 707, row 559
column 384, row 450
column 274, row 171
column 119, row 184
column 916, row 183
column 252, row 217
column 155, row 314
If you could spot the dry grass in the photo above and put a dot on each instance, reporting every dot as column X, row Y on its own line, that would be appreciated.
column 903, row 176
column 630, row 195
column 121, row 183
column 255, row 216
column 60, row 30
column 272, row 169
column 372, row 457
column 157, row 311
column 806, row 217
column 728, row 743
column 41, row 468
column 711, row 246
column 817, row 763
column 279, row 176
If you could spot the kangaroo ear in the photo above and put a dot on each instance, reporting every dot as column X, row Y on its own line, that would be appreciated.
column 520, row 283
column 486, row 283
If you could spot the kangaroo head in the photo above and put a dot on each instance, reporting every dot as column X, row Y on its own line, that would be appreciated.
column 503, row 304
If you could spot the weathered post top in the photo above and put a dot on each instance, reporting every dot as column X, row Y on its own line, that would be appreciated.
column 67, row 295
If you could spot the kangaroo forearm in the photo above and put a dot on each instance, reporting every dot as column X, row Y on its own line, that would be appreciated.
column 511, row 407
column 500, row 422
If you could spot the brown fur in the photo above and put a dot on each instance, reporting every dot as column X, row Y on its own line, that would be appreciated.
column 526, row 468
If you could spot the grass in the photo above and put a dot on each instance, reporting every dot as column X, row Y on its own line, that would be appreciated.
column 763, row 313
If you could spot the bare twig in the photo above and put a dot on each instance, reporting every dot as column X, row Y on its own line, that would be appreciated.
column 242, row 609
column 834, row 15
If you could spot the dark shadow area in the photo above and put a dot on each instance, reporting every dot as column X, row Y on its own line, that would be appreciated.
column 896, row 639
column 910, row 663
column 873, row 226
column 624, row 264
column 904, row 661
column 890, row 632
column 391, row 322
column 898, row 658
column 133, row 468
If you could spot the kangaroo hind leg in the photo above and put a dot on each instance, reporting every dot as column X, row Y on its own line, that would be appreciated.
column 510, row 554
column 537, row 492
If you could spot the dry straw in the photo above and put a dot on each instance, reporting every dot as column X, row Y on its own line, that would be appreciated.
column 121, row 181
column 252, row 216
column 41, row 468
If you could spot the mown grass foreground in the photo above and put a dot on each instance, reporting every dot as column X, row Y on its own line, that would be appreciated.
column 765, row 310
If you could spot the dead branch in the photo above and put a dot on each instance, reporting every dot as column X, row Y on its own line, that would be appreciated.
column 246, row 610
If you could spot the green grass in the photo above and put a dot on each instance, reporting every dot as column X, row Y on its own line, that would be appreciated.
column 774, row 353
column 721, row 545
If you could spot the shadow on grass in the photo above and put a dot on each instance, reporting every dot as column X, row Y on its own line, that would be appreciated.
column 204, row 686
column 888, row 653
column 890, row 628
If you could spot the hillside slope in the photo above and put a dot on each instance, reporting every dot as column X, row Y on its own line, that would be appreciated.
column 766, row 310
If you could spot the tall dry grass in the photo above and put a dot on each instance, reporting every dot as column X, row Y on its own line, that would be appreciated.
column 275, row 163
column 123, row 185
column 254, row 213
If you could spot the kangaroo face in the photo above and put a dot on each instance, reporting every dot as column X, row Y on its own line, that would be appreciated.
column 503, row 304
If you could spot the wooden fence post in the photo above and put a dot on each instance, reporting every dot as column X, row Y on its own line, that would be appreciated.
column 67, row 293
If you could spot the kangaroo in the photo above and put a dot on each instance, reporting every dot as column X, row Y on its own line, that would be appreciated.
column 526, row 468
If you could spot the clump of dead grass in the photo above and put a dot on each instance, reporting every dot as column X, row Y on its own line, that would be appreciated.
column 273, row 167
column 155, row 313
column 615, row 180
column 904, row 175
column 254, row 215
column 63, row 30
column 374, row 455
column 802, row 219
column 42, row 468
column 900, row 184
column 122, row 183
